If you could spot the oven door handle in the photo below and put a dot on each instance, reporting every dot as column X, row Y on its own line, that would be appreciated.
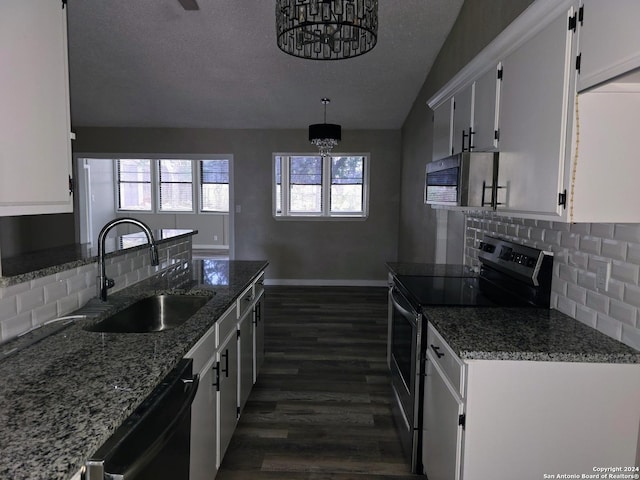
column 396, row 298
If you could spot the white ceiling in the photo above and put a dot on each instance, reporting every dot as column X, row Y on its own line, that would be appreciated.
column 150, row 63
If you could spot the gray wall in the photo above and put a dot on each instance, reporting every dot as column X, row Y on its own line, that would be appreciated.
column 479, row 22
column 328, row 251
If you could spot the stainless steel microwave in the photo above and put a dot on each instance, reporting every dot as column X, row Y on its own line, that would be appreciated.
column 467, row 179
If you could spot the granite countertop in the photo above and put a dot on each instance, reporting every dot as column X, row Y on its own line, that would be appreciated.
column 62, row 396
column 501, row 333
column 538, row 334
column 28, row 266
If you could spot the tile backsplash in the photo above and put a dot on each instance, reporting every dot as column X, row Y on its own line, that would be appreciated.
column 579, row 250
column 30, row 304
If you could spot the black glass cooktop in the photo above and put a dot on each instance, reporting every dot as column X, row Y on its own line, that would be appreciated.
column 455, row 291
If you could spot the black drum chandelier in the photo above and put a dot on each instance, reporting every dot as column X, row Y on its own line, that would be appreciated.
column 326, row 29
column 325, row 135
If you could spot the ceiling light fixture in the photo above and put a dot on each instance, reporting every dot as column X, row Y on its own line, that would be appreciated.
column 325, row 135
column 326, row 29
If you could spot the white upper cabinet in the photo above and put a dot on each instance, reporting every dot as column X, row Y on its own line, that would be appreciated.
column 462, row 119
column 442, row 130
column 609, row 40
column 35, row 158
column 534, row 116
column 486, row 109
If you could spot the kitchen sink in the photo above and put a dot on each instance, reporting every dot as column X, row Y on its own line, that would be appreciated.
column 151, row 314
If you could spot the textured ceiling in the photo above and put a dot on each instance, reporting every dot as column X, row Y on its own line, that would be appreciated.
column 150, row 63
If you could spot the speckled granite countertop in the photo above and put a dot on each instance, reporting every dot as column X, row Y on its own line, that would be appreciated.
column 38, row 264
column 538, row 334
column 498, row 333
column 63, row 396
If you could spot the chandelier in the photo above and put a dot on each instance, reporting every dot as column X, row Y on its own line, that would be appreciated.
column 325, row 135
column 326, row 29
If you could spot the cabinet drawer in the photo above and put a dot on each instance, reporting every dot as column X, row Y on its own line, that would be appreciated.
column 203, row 350
column 245, row 300
column 446, row 359
column 226, row 324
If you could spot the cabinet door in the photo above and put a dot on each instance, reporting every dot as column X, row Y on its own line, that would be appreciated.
column 616, row 22
column 534, row 104
column 442, row 130
column 35, row 158
column 203, row 425
column 245, row 358
column 486, row 107
column 442, row 434
column 462, row 119
column 258, row 333
column 228, row 394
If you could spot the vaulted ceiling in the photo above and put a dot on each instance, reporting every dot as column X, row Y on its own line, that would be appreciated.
column 151, row 63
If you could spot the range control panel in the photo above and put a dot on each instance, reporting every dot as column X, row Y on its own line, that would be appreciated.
column 512, row 258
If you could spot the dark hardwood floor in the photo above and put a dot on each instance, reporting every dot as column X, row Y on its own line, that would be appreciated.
column 321, row 406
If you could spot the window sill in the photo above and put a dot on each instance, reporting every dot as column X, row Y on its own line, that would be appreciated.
column 318, row 218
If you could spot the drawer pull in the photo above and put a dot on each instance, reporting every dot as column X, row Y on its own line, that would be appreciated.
column 436, row 350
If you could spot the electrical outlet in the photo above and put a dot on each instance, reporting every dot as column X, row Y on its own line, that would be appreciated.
column 603, row 274
column 215, row 238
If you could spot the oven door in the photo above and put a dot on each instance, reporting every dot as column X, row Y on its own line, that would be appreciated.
column 406, row 338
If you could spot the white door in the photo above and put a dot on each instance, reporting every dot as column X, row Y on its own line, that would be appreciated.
column 463, row 119
column 203, row 425
column 442, row 130
column 485, row 111
column 228, row 394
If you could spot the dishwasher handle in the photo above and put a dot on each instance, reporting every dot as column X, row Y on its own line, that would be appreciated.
column 397, row 299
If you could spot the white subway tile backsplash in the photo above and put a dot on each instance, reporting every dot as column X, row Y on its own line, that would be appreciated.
column 536, row 234
column 632, row 295
column 591, row 245
column 614, row 249
column 629, row 232
column 55, row 290
column 586, row 315
column 551, row 237
column 577, row 293
column 568, row 273
column 566, row 306
column 598, row 302
column 580, row 228
column 609, row 326
column 570, row 240
column 615, row 290
column 30, row 299
column 633, row 253
column 602, row 230
column 623, row 312
column 578, row 259
column 587, row 280
column 625, row 272
column 32, row 303
column 631, row 336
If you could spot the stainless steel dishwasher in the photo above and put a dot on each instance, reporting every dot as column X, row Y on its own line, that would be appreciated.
column 154, row 441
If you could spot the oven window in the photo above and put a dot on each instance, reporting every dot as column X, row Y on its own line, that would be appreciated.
column 442, row 186
column 402, row 343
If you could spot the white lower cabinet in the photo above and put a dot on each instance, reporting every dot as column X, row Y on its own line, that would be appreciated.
column 225, row 358
column 228, row 394
column 524, row 419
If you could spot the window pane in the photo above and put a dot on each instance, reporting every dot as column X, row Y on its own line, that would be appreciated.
column 215, row 197
column 135, row 196
column 346, row 198
column 305, row 185
column 347, row 177
column 134, row 184
column 176, row 194
column 214, row 187
column 278, row 180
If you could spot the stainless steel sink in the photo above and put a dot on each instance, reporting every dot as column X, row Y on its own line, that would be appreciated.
column 151, row 314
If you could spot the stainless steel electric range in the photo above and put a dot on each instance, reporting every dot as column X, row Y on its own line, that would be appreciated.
column 511, row 275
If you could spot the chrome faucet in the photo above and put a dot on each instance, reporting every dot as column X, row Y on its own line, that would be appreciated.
column 104, row 283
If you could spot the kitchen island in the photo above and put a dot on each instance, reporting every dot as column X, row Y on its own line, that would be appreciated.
column 63, row 395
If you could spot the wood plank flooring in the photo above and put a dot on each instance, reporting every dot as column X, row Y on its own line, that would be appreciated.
column 321, row 407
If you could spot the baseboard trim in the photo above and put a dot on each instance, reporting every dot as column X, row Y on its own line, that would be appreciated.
column 210, row 247
column 324, row 283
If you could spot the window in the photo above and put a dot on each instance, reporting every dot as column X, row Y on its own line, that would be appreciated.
column 167, row 185
column 313, row 186
column 214, row 185
column 134, row 184
column 175, row 179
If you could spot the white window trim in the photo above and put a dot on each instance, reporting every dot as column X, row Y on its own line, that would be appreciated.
column 325, row 215
column 155, row 182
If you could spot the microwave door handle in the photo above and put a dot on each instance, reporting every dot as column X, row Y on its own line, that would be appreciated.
column 149, row 451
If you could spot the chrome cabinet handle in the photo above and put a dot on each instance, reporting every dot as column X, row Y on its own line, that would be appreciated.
column 437, row 351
